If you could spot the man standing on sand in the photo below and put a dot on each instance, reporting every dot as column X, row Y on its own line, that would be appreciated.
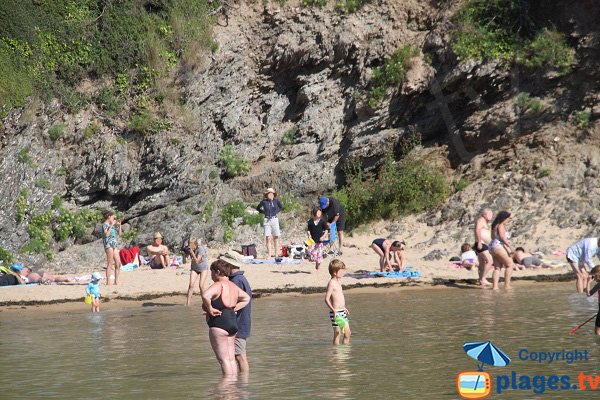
column 158, row 252
column 483, row 237
column 334, row 212
column 244, row 317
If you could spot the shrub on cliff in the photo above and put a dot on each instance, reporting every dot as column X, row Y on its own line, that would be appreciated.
column 232, row 163
column 48, row 45
column 404, row 187
column 391, row 73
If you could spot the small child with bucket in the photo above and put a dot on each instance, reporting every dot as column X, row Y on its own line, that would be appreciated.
column 92, row 292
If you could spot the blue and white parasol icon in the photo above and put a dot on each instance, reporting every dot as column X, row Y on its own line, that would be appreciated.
column 486, row 353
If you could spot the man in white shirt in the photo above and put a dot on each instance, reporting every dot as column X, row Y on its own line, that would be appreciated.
column 580, row 255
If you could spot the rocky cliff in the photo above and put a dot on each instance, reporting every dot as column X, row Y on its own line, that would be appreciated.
column 287, row 90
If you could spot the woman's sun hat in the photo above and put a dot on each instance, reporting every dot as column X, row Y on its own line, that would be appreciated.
column 271, row 190
column 232, row 258
column 157, row 235
column 96, row 276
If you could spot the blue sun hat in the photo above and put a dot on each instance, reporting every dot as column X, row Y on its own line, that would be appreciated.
column 16, row 267
column 323, row 202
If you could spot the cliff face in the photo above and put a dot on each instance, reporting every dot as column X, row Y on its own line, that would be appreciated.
column 287, row 90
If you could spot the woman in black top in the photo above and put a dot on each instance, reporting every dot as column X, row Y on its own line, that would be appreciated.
column 317, row 231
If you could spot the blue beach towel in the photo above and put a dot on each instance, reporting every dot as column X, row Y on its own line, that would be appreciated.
column 271, row 261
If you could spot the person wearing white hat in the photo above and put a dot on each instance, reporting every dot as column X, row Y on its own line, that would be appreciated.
column 270, row 206
column 158, row 252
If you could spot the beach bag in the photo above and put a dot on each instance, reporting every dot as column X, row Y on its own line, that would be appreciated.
column 249, row 250
column 88, row 299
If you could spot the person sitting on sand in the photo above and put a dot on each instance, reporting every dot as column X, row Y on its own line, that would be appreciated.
column 523, row 259
column 158, row 252
column 386, row 250
column 468, row 257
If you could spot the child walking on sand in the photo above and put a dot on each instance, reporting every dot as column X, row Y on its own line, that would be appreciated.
column 93, row 288
column 317, row 231
column 595, row 275
column 334, row 298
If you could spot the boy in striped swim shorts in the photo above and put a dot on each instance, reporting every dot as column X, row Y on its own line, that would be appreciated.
column 334, row 298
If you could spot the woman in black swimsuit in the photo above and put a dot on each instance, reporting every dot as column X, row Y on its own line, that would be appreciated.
column 385, row 249
column 221, row 301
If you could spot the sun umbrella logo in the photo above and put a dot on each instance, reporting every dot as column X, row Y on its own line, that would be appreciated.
column 477, row 384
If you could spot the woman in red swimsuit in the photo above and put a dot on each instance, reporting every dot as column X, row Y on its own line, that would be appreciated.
column 221, row 301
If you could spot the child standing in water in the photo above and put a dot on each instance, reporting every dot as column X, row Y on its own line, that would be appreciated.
column 93, row 288
column 334, row 298
column 595, row 275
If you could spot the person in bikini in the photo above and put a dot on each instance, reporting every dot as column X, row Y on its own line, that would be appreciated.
column 483, row 237
column 386, row 250
column 500, row 250
column 220, row 302
column 334, row 298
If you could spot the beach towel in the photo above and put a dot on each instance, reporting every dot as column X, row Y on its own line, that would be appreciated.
column 284, row 260
column 407, row 272
column 130, row 267
column 129, row 255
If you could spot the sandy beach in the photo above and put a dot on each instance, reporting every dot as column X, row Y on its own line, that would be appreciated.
column 142, row 285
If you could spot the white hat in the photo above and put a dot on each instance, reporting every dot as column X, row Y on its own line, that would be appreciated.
column 271, row 190
column 96, row 276
column 157, row 235
column 232, row 258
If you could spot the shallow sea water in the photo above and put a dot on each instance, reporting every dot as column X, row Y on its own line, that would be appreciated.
column 405, row 344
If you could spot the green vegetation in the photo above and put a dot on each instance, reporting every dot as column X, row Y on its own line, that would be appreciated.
column 548, row 50
column 57, row 202
column 462, row 184
column 214, row 174
column 392, row 73
column 582, row 119
column 42, row 183
column 60, row 224
column 6, row 256
column 503, row 30
column 289, row 136
column 56, row 131
column 145, row 124
column 350, row 6
column 232, row 163
column 231, row 211
column 208, row 210
column 21, row 205
column 405, row 187
column 544, row 172
column 92, row 129
column 528, row 104
column 290, row 203
column 24, row 156
column 409, row 141
column 129, row 235
column 318, row 3
column 47, row 46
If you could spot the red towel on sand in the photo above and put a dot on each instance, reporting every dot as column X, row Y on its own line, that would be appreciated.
column 129, row 255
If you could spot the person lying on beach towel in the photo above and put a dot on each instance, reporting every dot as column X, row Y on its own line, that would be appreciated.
column 523, row 259
column 12, row 278
column 468, row 258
